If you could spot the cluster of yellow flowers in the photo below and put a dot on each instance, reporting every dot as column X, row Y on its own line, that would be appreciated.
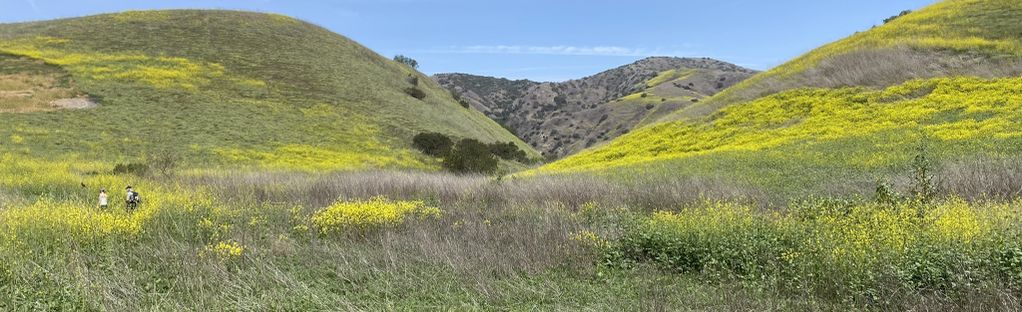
column 374, row 213
column 225, row 250
column 590, row 239
column 157, row 71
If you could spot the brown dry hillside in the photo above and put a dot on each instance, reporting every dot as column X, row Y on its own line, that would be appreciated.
column 561, row 118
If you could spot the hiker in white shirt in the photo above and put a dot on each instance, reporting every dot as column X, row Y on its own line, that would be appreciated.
column 103, row 203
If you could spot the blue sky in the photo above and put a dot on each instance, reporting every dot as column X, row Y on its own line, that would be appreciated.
column 547, row 40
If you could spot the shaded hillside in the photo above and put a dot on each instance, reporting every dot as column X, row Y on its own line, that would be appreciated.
column 224, row 87
column 493, row 96
column 838, row 140
column 562, row 118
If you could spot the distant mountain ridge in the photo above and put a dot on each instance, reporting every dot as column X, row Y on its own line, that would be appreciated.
column 561, row 118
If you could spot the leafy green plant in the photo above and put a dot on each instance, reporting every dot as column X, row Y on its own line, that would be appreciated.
column 507, row 151
column 433, row 144
column 131, row 168
column 415, row 92
column 406, row 60
column 892, row 18
column 470, row 156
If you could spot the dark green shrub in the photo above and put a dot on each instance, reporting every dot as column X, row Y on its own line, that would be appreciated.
column 507, row 151
column 923, row 187
column 406, row 60
column 1010, row 263
column 892, row 18
column 457, row 97
column 470, row 156
column 131, row 168
column 560, row 100
column 416, row 93
column 433, row 144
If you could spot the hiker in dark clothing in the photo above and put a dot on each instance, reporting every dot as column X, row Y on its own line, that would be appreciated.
column 133, row 199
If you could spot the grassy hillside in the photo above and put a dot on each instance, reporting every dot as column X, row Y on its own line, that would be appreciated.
column 227, row 88
column 826, row 138
column 675, row 89
column 954, row 37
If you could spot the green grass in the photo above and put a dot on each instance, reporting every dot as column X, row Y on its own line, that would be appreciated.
column 217, row 88
column 493, row 245
column 253, row 241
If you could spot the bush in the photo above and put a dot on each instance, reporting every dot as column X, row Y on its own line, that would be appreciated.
column 560, row 100
column 457, row 97
column 406, row 60
column 892, row 18
column 131, row 168
column 433, row 144
column 507, row 151
column 470, row 156
column 163, row 162
column 415, row 93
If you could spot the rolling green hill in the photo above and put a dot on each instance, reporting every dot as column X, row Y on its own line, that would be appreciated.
column 848, row 113
column 217, row 88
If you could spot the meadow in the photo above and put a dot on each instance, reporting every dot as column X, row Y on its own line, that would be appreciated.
column 286, row 181
column 246, row 240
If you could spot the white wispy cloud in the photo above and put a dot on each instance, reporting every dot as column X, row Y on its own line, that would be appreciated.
column 553, row 50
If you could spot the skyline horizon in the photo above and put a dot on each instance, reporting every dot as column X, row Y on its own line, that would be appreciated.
column 536, row 49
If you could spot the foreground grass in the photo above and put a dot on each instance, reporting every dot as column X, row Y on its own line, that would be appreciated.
column 295, row 241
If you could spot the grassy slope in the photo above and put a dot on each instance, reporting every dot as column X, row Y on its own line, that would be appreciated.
column 222, row 87
column 811, row 139
column 966, row 37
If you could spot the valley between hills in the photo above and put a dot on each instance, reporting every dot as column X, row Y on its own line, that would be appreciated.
column 198, row 160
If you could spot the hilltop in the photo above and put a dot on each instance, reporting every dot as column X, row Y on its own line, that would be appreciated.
column 561, row 118
column 218, row 88
column 933, row 85
column 950, row 38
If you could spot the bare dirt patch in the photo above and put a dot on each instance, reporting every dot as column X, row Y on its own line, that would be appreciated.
column 27, row 85
column 74, row 103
